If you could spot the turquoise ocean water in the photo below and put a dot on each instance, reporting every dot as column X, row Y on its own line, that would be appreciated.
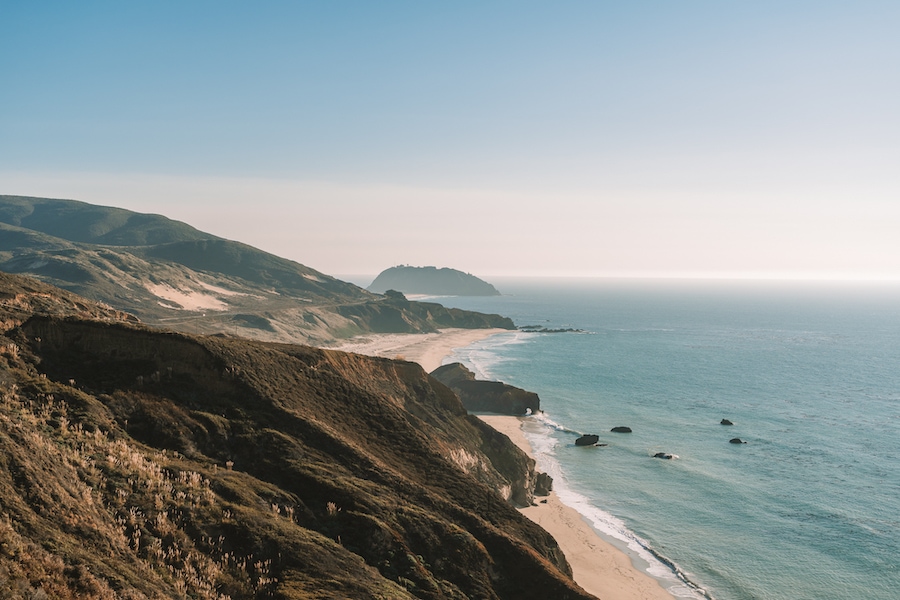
column 808, row 508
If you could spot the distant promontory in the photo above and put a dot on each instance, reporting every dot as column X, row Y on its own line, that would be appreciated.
column 431, row 281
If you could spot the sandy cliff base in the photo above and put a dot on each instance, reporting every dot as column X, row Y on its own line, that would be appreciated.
column 597, row 566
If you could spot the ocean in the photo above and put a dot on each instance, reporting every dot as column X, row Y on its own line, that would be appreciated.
column 809, row 374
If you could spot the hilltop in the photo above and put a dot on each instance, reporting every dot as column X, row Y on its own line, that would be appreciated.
column 140, row 463
column 170, row 274
column 431, row 281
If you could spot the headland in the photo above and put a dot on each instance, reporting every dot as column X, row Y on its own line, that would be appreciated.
column 599, row 567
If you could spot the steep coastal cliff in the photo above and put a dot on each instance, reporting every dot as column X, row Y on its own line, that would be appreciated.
column 140, row 464
column 486, row 396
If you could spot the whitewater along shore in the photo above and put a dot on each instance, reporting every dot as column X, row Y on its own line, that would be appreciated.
column 598, row 566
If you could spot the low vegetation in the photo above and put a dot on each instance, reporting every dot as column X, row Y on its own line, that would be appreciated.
column 145, row 464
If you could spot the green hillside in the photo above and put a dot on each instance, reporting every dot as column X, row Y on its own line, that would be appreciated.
column 81, row 222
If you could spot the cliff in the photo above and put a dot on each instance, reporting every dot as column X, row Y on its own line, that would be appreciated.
column 486, row 396
column 431, row 281
column 141, row 464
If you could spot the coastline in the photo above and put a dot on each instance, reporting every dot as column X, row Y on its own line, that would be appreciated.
column 597, row 566
column 426, row 349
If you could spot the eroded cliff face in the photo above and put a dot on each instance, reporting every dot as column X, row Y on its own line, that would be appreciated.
column 147, row 464
column 486, row 396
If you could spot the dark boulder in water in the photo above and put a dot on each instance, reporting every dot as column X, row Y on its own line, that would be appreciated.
column 621, row 429
column 664, row 455
column 587, row 440
column 725, row 422
column 736, row 441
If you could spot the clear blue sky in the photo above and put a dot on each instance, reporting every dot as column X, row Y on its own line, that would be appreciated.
column 593, row 138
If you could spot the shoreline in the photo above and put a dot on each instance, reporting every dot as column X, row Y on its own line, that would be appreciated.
column 598, row 566
column 426, row 349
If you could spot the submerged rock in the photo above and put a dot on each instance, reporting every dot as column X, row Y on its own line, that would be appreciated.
column 665, row 455
column 736, row 441
column 621, row 429
column 725, row 422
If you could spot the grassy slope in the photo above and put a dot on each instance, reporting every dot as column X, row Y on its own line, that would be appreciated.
column 142, row 464
column 124, row 259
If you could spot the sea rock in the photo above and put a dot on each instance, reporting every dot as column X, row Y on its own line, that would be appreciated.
column 725, row 422
column 665, row 455
column 589, row 439
column 736, row 441
column 543, row 485
column 486, row 396
column 621, row 429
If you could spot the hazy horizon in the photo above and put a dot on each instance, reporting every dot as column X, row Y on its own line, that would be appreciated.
column 582, row 139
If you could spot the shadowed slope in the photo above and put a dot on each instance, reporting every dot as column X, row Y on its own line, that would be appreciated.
column 141, row 464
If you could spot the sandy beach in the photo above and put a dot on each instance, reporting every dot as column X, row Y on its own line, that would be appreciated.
column 427, row 349
column 597, row 566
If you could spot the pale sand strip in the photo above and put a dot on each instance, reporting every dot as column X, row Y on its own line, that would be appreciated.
column 427, row 349
column 597, row 566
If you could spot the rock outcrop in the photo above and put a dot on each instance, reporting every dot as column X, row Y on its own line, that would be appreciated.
column 486, row 396
column 588, row 439
column 621, row 429
column 543, row 485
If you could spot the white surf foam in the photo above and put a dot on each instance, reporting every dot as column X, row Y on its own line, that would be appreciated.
column 539, row 432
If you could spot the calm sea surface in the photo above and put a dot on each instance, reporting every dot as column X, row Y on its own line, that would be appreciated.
column 808, row 508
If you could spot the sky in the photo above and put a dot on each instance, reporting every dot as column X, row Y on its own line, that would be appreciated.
column 640, row 138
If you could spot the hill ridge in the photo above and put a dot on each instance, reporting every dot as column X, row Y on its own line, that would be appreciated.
column 198, row 282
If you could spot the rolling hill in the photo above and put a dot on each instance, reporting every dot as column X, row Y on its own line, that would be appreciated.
column 170, row 274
